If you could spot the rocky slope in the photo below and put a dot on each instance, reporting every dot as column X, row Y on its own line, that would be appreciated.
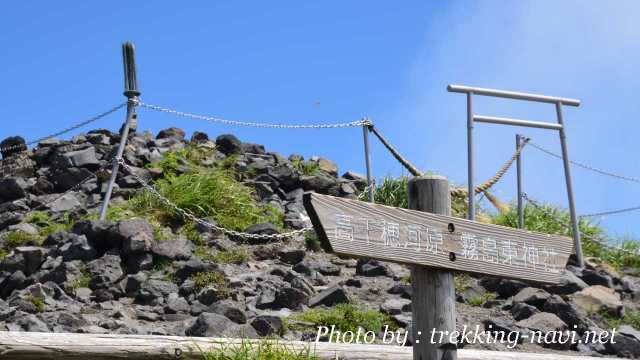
column 63, row 271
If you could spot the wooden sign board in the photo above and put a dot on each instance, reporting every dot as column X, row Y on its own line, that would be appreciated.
column 363, row 229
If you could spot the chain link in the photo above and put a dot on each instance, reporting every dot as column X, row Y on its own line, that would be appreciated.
column 7, row 171
column 70, row 190
column 188, row 215
column 252, row 124
column 69, row 129
column 588, row 167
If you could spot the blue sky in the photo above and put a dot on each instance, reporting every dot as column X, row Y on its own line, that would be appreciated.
column 334, row 61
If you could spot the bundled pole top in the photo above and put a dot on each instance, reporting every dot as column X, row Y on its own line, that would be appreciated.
column 130, row 78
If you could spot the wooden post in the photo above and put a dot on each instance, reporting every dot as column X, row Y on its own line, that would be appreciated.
column 433, row 300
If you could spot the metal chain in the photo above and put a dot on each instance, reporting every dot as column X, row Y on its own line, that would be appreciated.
column 251, row 124
column 9, row 170
column 188, row 215
column 588, row 167
column 71, row 189
column 563, row 223
column 69, row 129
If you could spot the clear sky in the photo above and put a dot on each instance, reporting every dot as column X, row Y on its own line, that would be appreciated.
column 330, row 61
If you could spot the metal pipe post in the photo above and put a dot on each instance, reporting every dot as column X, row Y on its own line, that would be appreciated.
column 567, row 175
column 132, row 93
column 367, row 159
column 512, row 95
column 515, row 122
column 471, row 188
column 519, row 173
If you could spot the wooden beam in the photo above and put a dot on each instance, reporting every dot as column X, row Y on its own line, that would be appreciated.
column 362, row 229
column 61, row 346
column 433, row 299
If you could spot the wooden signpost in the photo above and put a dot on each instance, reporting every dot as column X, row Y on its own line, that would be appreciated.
column 433, row 244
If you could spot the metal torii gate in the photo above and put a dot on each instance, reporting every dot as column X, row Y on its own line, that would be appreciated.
column 472, row 118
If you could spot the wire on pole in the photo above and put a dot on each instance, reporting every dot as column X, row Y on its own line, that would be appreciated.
column 588, row 167
column 67, row 130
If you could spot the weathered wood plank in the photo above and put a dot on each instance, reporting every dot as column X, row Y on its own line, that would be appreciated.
column 362, row 229
column 61, row 346
column 433, row 299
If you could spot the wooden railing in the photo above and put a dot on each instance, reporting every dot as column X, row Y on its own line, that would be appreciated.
column 63, row 346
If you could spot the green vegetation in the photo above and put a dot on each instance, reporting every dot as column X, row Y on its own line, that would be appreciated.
column 312, row 242
column 190, row 232
column 207, row 193
column 16, row 238
column 544, row 220
column 306, row 167
column 231, row 256
column 189, row 156
column 346, row 317
column 203, row 280
column 631, row 318
column 81, row 282
column 480, row 300
column 393, row 192
column 47, row 225
column 461, row 282
column 258, row 350
column 37, row 302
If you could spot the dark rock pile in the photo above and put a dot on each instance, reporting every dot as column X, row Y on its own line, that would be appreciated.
column 119, row 277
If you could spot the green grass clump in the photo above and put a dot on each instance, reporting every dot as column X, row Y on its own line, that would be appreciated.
column 38, row 218
column 346, row 317
column 258, row 350
column 631, row 318
column 306, row 167
column 81, row 282
column 205, row 279
column 208, row 193
column 16, row 238
column 480, row 300
column 37, row 302
column 554, row 220
column 190, row 156
column 312, row 242
column 391, row 192
column 46, row 225
column 231, row 256
column 190, row 232
column 461, row 281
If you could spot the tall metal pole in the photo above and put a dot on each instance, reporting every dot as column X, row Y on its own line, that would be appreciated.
column 132, row 93
column 367, row 158
column 472, row 210
column 567, row 175
column 519, row 172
